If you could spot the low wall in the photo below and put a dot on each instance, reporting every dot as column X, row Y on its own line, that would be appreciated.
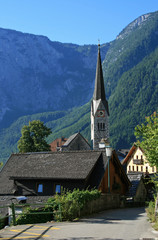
column 106, row 201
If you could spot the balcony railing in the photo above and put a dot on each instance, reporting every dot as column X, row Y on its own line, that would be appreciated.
column 138, row 161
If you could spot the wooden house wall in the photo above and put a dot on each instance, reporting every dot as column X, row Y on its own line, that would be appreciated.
column 29, row 187
column 117, row 183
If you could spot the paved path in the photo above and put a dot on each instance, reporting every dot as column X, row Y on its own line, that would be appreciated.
column 118, row 224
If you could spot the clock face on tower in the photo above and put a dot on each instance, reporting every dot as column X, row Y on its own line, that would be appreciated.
column 100, row 113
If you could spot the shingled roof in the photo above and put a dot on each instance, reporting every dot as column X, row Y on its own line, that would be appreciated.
column 50, row 165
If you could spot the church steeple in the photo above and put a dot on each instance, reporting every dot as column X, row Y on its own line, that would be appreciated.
column 99, row 108
column 99, row 90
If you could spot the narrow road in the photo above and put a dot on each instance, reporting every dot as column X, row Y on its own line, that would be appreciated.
column 116, row 224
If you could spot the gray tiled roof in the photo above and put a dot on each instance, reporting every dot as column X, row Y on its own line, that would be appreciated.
column 54, row 165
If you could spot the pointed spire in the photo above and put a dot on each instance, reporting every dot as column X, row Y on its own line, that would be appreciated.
column 99, row 90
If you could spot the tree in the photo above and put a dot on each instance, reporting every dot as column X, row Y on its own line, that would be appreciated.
column 147, row 135
column 33, row 137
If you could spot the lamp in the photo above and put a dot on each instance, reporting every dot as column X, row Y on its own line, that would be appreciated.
column 108, row 149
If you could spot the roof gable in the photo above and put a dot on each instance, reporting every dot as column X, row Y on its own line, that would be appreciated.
column 133, row 149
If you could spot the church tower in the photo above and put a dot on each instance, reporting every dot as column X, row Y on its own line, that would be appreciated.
column 99, row 108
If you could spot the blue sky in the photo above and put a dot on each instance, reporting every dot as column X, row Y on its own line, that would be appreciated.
column 73, row 21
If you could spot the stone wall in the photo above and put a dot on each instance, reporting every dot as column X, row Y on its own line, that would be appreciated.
column 106, row 201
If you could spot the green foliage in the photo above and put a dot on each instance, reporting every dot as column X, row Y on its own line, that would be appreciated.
column 148, row 138
column 33, row 137
column 71, row 203
column 1, row 165
column 3, row 221
column 30, row 216
column 151, row 211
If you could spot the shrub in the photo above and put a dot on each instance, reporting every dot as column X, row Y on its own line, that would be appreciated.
column 3, row 221
column 70, row 203
column 34, row 216
column 151, row 211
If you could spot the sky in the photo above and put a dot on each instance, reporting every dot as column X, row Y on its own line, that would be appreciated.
column 73, row 21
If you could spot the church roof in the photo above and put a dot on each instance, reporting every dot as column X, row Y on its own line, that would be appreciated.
column 99, row 90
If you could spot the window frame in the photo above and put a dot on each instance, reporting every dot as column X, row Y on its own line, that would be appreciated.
column 55, row 185
column 37, row 187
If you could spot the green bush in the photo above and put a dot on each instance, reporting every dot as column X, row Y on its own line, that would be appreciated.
column 34, row 216
column 3, row 221
column 67, row 206
column 151, row 211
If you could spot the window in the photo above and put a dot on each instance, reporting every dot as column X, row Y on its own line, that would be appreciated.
column 129, row 168
column 141, row 168
column 137, row 168
column 152, row 169
column 146, row 169
column 133, row 168
column 101, row 126
column 57, row 188
column 137, row 156
column 40, row 188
